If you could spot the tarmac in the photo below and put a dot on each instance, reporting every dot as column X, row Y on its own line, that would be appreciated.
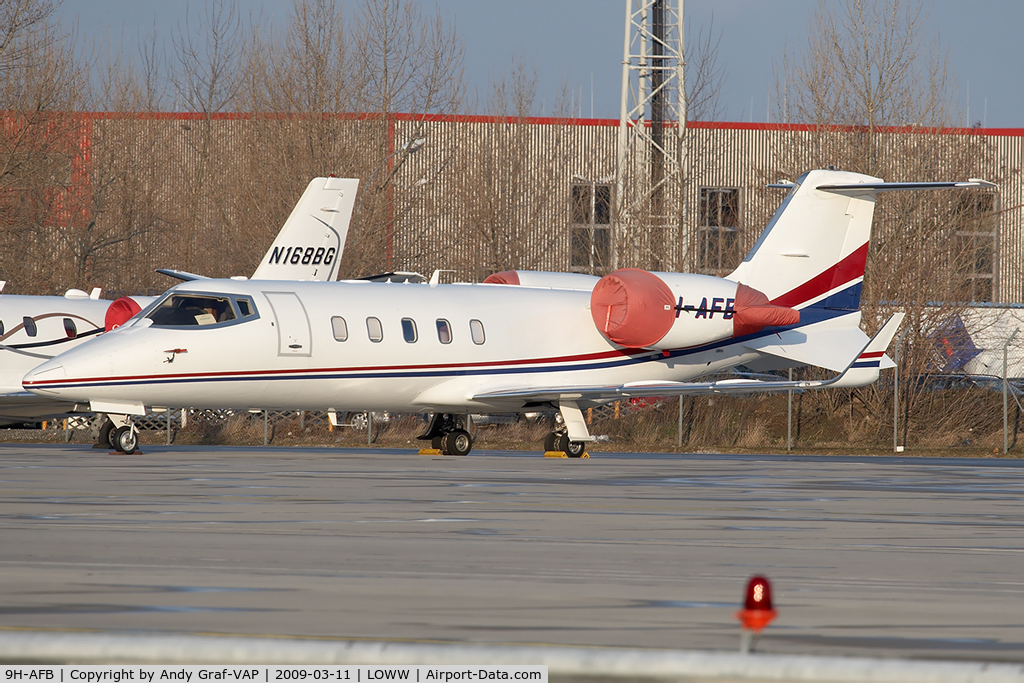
column 875, row 557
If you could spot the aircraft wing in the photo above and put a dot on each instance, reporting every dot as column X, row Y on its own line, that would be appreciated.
column 22, row 406
column 861, row 369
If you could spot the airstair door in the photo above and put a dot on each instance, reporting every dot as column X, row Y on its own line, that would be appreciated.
column 292, row 322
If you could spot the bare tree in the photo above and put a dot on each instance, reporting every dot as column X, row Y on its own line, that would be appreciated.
column 869, row 92
column 42, row 87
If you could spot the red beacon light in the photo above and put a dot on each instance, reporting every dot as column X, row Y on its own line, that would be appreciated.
column 757, row 609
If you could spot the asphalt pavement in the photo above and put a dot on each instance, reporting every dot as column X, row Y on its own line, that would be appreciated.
column 876, row 557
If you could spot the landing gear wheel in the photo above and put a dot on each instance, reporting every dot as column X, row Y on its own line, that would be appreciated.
column 437, row 442
column 574, row 449
column 125, row 439
column 456, row 443
column 550, row 441
column 105, row 438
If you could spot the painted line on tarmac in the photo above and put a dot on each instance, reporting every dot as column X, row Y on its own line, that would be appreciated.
column 564, row 663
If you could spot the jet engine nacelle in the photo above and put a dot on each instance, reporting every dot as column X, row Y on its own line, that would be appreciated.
column 639, row 309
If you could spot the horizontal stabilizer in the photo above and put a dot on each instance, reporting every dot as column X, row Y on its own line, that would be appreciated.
column 895, row 187
column 829, row 349
column 182, row 275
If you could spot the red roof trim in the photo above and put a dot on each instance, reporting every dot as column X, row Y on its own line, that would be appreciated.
column 551, row 121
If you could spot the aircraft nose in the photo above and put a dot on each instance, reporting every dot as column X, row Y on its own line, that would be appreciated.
column 38, row 378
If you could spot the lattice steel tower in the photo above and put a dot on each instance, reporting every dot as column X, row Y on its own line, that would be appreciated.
column 652, row 125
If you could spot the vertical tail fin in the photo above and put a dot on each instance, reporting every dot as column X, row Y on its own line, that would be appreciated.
column 311, row 242
column 815, row 247
column 813, row 252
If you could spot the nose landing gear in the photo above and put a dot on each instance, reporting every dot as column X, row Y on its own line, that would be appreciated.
column 118, row 432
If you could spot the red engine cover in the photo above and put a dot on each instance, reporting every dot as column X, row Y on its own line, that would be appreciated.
column 119, row 312
column 632, row 307
column 753, row 312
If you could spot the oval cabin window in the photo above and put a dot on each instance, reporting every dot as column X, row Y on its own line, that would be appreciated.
column 340, row 328
column 374, row 329
column 476, row 331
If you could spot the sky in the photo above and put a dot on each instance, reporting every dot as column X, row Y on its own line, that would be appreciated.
column 578, row 43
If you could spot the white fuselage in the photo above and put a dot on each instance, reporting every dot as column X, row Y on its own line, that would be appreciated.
column 287, row 356
column 35, row 328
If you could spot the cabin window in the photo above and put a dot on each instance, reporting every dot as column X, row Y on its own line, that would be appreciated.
column 374, row 329
column 30, row 326
column 181, row 310
column 476, row 331
column 338, row 326
column 1, row 328
column 69, row 328
column 246, row 308
column 409, row 330
column 444, row 331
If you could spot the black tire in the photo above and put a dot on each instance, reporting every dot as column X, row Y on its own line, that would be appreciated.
column 437, row 443
column 125, row 439
column 457, row 443
column 551, row 441
column 106, row 437
column 574, row 449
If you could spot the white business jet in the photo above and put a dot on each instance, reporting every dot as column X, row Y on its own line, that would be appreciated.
column 501, row 347
column 34, row 329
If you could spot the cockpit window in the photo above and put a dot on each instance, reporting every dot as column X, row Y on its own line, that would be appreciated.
column 245, row 307
column 193, row 309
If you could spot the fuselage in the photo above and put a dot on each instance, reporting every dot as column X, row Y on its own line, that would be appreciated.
column 35, row 328
column 357, row 345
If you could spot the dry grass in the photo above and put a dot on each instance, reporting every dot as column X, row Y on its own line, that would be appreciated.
column 954, row 423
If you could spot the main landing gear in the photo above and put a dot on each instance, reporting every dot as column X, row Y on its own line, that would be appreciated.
column 571, row 439
column 447, row 433
column 118, row 432
column 558, row 440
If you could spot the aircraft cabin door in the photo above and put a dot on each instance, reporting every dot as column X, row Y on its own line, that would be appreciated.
column 293, row 334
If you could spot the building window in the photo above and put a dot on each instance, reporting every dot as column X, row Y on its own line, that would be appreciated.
column 476, row 331
column 409, row 330
column 976, row 257
column 374, row 329
column 338, row 326
column 718, row 243
column 444, row 331
column 590, row 230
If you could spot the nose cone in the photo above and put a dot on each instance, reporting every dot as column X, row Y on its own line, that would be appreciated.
column 40, row 378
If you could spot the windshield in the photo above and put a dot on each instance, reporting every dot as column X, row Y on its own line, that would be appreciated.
column 195, row 309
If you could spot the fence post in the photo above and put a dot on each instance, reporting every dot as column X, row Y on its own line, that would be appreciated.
column 369, row 427
column 896, row 394
column 680, row 439
column 789, row 415
column 266, row 425
column 1006, row 430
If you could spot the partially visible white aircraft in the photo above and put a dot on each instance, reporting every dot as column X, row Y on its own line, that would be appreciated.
column 498, row 348
column 36, row 328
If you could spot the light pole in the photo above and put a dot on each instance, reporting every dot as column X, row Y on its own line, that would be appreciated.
column 409, row 148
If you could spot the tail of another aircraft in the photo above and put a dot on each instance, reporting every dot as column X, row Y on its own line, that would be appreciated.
column 310, row 245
